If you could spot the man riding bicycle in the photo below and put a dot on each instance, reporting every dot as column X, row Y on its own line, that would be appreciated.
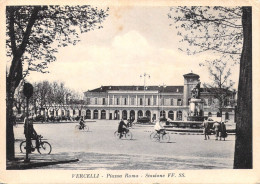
column 122, row 128
column 81, row 123
column 30, row 134
column 158, row 127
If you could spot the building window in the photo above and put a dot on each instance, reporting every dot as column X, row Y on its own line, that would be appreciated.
column 226, row 115
column 57, row 113
column 79, row 112
column 125, row 101
column 95, row 101
column 154, row 101
column 172, row 102
column 209, row 114
column 141, row 101
column 218, row 114
column 88, row 101
column 179, row 102
column 74, row 112
column 162, row 101
column 149, row 101
column 110, row 101
column 103, row 101
column 62, row 112
column 132, row 101
column 117, row 101
column 179, row 115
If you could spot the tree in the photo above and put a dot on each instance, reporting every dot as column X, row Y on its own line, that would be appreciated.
column 226, row 31
column 221, row 86
column 33, row 35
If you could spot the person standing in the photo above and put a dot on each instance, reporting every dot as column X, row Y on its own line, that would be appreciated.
column 206, row 129
column 216, row 127
column 223, row 131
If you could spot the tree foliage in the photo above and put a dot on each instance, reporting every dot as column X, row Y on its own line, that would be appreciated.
column 34, row 33
column 217, row 29
column 221, row 86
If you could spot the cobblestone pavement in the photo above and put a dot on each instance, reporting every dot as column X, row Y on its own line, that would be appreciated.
column 99, row 149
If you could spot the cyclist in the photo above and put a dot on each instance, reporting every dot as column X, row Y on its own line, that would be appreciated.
column 30, row 134
column 122, row 128
column 158, row 127
column 81, row 123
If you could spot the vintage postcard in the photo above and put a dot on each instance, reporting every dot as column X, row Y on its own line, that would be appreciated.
column 129, row 91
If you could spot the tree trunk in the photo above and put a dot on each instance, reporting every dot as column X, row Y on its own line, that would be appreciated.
column 243, row 147
column 9, row 124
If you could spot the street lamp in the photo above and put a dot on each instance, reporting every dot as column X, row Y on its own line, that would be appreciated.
column 144, row 76
column 162, row 100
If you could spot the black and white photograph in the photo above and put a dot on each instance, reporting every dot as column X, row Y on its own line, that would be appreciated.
column 128, row 92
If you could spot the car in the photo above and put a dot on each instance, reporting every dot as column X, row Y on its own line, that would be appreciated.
column 143, row 119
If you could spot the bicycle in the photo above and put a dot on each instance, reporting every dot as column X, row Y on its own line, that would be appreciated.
column 126, row 134
column 85, row 127
column 44, row 146
column 160, row 137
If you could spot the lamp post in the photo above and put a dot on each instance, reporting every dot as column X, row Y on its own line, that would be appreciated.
column 163, row 86
column 144, row 76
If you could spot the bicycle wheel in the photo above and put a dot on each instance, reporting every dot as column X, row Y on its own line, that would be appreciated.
column 165, row 138
column 117, row 135
column 152, row 135
column 86, row 128
column 128, row 135
column 77, row 127
column 155, row 136
column 23, row 147
column 45, row 148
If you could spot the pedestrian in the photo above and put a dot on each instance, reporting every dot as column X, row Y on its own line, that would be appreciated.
column 223, row 131
column 216, row 127
column 206, row 129
column 30, row 134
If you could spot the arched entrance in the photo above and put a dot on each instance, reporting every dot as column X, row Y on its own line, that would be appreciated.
column 132, row 115
column 148, row 114
column 103, row 114
column 162, row 114
column 179, row 115
column 116, row 115
column 95, row 114
column 124, row 115
column 140, row 113
column 88, row 114
column 171, row 115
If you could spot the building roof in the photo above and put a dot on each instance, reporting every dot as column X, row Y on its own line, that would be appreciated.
column 167, row 89
column 191, row 75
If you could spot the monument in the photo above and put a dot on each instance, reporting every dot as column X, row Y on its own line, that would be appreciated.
column 196, row 111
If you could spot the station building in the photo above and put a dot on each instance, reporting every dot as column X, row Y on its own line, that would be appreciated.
column 132, row 102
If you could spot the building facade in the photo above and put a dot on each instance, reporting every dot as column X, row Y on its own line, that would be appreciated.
column 132, row 102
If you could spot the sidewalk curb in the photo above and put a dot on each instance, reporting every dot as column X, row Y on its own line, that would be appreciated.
column 33, row 164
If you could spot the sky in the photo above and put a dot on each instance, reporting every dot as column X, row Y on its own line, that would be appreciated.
column 133, row 41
